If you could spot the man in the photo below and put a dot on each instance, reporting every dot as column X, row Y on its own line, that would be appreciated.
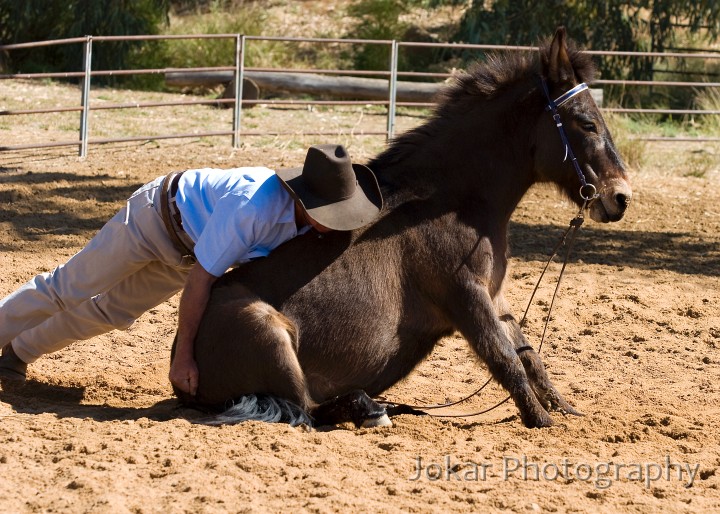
column 181, row 231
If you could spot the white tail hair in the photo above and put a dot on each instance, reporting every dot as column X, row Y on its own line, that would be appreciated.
column 260, row 407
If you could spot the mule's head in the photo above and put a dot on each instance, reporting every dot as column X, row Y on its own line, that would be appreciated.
column 563, row 68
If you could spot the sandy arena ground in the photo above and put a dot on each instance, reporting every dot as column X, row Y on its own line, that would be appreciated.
column 633, row 344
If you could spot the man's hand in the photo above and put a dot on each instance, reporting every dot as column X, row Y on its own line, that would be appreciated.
column 184, row 375
column 184, row 371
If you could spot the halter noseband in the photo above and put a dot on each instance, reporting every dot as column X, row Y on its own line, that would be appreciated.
column 552, row 106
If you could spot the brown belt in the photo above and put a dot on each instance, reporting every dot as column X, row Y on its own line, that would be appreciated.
column 171, row 214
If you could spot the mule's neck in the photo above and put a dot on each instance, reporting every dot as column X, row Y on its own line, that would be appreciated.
column 474, row 153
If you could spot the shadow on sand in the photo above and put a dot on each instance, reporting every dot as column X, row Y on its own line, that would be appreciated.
column 679, row 252
column 36, row 398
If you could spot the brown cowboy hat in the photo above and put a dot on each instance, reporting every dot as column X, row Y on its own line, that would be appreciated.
column 333, row 191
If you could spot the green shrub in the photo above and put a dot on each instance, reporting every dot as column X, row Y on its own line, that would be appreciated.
column 377, row 19
column 40, row 20
column 249, row 20
column 383, row 20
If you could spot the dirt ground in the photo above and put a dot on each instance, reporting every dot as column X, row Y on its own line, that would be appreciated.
column 633, row 344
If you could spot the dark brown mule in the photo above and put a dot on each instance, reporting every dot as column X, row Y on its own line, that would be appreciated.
column 323, row 317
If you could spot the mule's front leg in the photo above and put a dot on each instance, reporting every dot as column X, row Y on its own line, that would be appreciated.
column 476, row 318
column 550, row 398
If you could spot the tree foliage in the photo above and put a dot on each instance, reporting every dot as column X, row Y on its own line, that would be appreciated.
column 40, row 20
column 383, row 20
column 628, row 25
column 623, row 25
column 377, row 19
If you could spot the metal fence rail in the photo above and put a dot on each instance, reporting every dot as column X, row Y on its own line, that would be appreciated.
column 238, row 70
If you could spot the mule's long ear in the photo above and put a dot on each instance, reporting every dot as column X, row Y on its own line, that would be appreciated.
column 558, row 67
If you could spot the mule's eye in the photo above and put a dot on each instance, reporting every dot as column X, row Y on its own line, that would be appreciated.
column 589, row 126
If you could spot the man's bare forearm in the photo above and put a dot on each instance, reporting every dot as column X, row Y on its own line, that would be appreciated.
column 194, row 299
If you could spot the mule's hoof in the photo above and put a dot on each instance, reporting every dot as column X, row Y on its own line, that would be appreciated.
column 541, row 421
column 570, row 410
column 558, row 404
column 382, row 421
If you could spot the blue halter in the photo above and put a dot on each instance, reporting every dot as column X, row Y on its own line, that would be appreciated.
column 552, row 106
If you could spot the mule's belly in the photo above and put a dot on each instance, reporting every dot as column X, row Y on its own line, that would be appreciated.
column 371, row 354
column 346, row 352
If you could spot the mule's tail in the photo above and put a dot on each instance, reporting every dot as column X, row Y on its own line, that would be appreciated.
column 261, row 407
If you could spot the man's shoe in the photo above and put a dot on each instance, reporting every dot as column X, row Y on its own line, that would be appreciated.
column 11, row 366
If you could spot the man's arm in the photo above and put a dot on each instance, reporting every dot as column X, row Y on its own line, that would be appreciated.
column 183, row 370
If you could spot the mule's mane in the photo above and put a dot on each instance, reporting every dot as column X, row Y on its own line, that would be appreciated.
column 502, row 70
column 402, row 163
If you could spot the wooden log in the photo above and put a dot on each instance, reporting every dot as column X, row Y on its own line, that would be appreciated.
column 350, row 88
column 198, row 78
column 353, row 88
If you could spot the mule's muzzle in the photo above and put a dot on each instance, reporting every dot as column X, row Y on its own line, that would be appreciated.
column 612, row 203
column 623, row 200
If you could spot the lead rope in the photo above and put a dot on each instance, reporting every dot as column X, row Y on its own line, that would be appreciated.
column 572, row 229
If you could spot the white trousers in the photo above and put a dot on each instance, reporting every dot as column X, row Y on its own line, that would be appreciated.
column 129, row 267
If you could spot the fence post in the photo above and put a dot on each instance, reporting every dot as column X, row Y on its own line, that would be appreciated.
column 393, row 89
column 85, row 99
column 239, row 76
